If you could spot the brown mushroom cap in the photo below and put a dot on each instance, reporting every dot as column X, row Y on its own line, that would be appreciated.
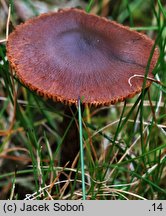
column 71, row 54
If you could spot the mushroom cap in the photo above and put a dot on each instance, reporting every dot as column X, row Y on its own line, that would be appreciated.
column 70, row 54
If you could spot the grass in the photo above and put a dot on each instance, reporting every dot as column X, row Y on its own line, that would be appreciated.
column 81, row 150
column 124, row 144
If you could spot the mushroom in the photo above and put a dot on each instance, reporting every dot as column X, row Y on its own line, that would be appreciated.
column 70, row 54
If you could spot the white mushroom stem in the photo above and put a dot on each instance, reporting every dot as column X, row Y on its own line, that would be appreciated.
column 142, row 76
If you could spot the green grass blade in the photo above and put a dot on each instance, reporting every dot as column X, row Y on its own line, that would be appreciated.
column 88, row 8
column 162, row 8
column 81, row 150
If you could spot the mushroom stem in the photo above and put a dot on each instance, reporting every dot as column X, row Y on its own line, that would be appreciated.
column 70, row 146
